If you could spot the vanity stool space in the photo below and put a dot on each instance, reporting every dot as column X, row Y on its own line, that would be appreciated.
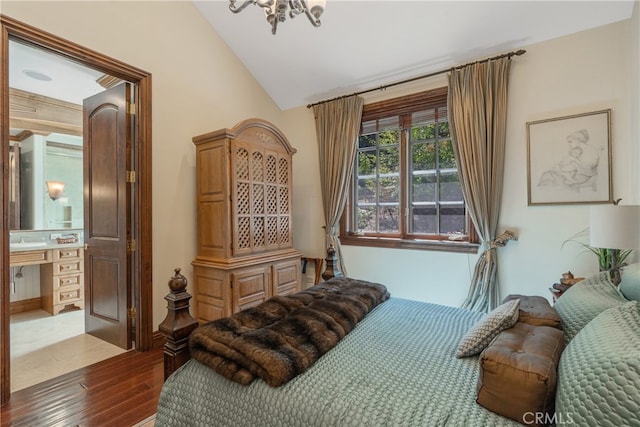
column 245, row 243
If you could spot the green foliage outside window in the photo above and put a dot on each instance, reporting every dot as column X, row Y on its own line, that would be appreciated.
column 432, row 179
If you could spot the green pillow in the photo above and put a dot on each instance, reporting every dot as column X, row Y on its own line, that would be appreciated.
column 585, row 300
column 630, row 284
column 485, row 330
column 599, row 371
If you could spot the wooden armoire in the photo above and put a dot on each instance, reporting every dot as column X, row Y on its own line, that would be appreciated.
column 245, row 244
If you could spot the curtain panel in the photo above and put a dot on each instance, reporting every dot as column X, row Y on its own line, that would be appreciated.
column 337, row 129
column 477, row 103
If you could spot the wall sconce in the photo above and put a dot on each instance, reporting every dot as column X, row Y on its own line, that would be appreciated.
column 55, row 189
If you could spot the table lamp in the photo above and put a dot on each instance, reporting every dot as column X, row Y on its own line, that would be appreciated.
column 615, row 227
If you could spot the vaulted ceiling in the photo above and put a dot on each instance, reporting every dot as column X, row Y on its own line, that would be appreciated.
column 361, row 44
column 365, row 44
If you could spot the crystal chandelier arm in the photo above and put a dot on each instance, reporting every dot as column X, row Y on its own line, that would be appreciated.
column 315, row 20
column 297, row 7
column 262, row 3
column 301, row 6
column 313, row 13
column 276, row 10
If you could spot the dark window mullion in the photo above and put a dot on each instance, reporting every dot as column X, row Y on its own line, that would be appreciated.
column 378, row 182
column 404, row 171
column 437, row 188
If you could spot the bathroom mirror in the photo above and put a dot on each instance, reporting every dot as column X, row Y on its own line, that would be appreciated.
column 46, row 92
column 40, row 164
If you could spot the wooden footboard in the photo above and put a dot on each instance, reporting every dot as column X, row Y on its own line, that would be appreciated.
column 179, row 323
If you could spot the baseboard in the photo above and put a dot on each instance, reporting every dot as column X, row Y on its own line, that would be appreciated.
column 25, row 305
column 158, row 340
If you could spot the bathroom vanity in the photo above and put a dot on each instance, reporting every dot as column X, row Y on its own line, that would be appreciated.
column 61, row 273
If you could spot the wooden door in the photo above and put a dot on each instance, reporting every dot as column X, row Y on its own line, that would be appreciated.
column 107, row 144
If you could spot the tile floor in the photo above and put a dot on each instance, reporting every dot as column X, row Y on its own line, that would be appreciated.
column 45, row 346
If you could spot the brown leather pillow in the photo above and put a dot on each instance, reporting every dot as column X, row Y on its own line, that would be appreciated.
column 518, row 373
column 536, row 310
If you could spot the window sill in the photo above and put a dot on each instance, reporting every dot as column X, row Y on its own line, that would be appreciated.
column 425, row 245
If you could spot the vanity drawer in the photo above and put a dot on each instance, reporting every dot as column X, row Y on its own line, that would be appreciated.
column 40, row 256
column 64, row 254
column 68, row 280
column 67, row 267
column 67, row 295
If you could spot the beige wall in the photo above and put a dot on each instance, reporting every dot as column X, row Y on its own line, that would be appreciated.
column 198, row 86
column 583, row 72
column 635, row 98
column 588, row 71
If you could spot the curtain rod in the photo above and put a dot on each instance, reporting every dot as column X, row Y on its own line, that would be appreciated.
column 508, row 55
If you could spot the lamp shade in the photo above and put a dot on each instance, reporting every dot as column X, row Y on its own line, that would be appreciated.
column 614, row 226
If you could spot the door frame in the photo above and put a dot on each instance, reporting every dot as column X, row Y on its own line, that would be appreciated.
column 141, row 258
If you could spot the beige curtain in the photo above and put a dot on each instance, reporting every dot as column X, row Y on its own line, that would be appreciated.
column 337, row 128
column 477, row 106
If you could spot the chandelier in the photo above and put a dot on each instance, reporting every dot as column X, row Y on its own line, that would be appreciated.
column 276, row 10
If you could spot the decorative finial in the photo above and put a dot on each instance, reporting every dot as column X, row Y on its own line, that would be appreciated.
column 331, row 251
column 178, row 282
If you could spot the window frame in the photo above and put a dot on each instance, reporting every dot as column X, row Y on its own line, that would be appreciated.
column 403, row 106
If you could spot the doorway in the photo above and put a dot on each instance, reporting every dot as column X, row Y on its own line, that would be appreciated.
column 138, row 212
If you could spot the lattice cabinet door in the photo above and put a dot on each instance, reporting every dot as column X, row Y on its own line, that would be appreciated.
column 241, row 198
column 262, row 199
column 258, row 243
column 284, row 202
column 271, row 186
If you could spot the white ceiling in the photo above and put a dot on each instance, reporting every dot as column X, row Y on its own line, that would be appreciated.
column 69, row 82
column 365, row 44
column 362, row 44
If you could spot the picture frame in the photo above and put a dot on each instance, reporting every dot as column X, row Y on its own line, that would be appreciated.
column 569, row 160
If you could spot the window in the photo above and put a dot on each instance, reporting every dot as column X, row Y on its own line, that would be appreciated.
column 405, row 190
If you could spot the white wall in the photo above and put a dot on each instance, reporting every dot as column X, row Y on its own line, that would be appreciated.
column 579, row 73
column 198, row 86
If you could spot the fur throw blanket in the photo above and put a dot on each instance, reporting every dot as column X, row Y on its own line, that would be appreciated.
column 285, row 335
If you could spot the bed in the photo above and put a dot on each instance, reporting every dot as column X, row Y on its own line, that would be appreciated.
column 398, row 367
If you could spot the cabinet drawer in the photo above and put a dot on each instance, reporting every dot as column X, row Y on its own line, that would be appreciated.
column 67, row 295
column 67, row 254
column 76, row 279
column 41, row 256
column 66, row 267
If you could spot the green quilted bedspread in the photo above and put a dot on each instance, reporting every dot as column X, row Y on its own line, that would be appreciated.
column 396, row 368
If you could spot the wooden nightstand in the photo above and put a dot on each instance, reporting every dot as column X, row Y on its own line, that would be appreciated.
column 317, row 265
column 566, row 281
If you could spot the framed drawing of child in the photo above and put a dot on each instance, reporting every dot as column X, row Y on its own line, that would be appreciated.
column 569, row 159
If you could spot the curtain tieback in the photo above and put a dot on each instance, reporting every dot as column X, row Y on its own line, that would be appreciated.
column 502, row 239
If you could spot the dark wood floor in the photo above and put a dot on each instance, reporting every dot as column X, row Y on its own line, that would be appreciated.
column 120, row 391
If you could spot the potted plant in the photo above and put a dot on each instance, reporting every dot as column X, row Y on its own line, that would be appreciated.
column 607, row 258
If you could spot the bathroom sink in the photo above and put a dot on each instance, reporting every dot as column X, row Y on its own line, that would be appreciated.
column 25, row 245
